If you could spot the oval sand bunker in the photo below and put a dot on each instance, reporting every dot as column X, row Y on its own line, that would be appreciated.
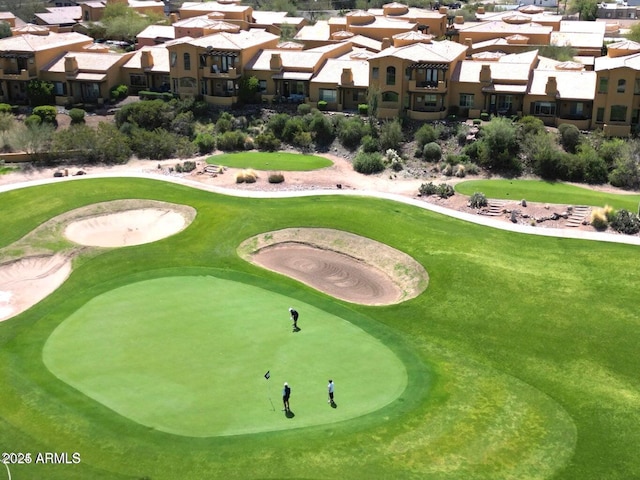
column 129, row 227
column 341, row 264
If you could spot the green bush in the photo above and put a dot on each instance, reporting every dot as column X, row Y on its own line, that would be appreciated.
column 478, row 200
column 484, row 116
column 47, row 113
column 5, row 108
column 599, row 219
column 363, row 109
column 119, row 92
column 370, row 144
column 425, row 134
column 368, row 163
column 32, row 120
column 165, row 96
column 230, row 141
column 293, row 127
column 445, row 190
column 427, row 189
column 625, row 222
column 188, row 166
column 304, row 108
column 276, row 178
column 267, row 141
column 390, row 135
column 432, row 152
column 277, row 123
column 570, row 137
column 476, row 121
column 350, row 132
column 302, row 140
column 322, row 105
column 77, row 115
column 322, row 129
column 205, row 142
column 153, row 144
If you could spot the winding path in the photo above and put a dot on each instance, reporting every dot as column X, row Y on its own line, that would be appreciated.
column 467, row 217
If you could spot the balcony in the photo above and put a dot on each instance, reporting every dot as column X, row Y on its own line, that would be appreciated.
column 427, row 115
column 421, row 86
column 214, row 72
column 23, row 75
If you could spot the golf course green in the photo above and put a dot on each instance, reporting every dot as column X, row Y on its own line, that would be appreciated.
column 519, row 361
column 187, row 355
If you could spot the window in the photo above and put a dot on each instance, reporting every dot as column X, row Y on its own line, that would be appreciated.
column 576, row 109
column 431, row 76
column 375, row 73
column 203, row 87
column 466, row 100
column 138, row 80
column 622, row 85
column 226, row 62
column 636, row 87
column 389, row 97
column 262, row 86
column 90, row 91
column 407, row 73
column 203, row 61
column 543, row 108
column 505, row 102
column 618, row 113
column 329, row 96
column 174, row 58
column 187, row 82
column 391, row 75
column 59, row 88
column 430, row 101
column 603, row 85
column 187, row 61
column 635, row 116
column 600, row 115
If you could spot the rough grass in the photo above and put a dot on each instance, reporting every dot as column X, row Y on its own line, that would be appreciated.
column 548, row 192
column 531, row 343
column 270, row 161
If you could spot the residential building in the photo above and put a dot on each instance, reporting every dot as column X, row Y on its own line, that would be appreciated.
column 148, row 69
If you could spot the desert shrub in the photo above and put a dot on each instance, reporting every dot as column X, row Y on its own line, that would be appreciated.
column 276, row 177
column 302, row 140
column 188, row 166
column 498, row 147
column 246, row 176
column 425, row 134
column 625, row 222
column 428, row 189
column 205, row 142
column 447, row 170
column 303, row 109
column 350, row 132
column 484, row 116
column 460, row 171
column 155, row 144
column 230, row 141
column 224, row 124
column 368, row 163
column 478, row 200
column 599, row 219
column 570, row 137
column 322, row 105
column 609, row 212
column 391, row 135
column 363, row 109
column 149, row 115
column 293, row 126
column 147, row 95
column 47, row 113
column 277, row 123
column 77, row 115
column 370, row 144
column 183, row 124
column 267, row 141
column 32, row 120
column 393, row 160
column 472, row 168
column 321, row 129
column 445, row 190
column 625, row 174
column 432, row 152
column 249, row 144
column 5, row 108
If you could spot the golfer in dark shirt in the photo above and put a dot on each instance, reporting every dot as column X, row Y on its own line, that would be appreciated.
column 286, row 393
column 294, row 318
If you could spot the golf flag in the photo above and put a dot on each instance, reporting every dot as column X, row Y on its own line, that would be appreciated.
column 267, row 375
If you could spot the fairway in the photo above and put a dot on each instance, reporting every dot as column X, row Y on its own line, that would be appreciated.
column 270, row 161
column 187, row 355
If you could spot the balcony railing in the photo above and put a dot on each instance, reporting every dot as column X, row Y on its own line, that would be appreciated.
column 14, row 74
column 214, row 72
column 427, row 87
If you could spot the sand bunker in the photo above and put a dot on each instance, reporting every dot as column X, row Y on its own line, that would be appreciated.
column 25, row 282
column 341, row 264
column 131, row 227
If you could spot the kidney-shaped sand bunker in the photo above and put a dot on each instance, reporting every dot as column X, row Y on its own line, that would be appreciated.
column 341, row 264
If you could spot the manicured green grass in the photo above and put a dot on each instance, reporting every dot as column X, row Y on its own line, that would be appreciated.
column 520, row 357
column 187, row 355
column 270, row 161
column 548, row 192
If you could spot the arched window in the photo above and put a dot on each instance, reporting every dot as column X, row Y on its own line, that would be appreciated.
column 187, row 61
column 391, row 75
column 389, row 97
column 622, row 84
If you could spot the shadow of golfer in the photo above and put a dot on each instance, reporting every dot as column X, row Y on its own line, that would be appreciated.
column 289, row 414
column 334, row 405
column 296, row 329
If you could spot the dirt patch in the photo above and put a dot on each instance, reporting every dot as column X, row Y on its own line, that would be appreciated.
column 341, row 264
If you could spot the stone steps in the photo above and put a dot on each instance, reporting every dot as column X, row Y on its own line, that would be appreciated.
column 578, row 214
column 495, row 208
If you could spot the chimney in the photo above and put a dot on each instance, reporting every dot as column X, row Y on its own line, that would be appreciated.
column 347, row 77
column 485, row 74
column 173, row 18
column 444, row 10
column 386, row 43
column 459, row 20
column 276, row 62
column 70, row 65
column 146, row 60
column 480, row 10
column 468, row 42
column 551, row 88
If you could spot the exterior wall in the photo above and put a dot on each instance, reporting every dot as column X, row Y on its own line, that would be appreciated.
column 468, row 88
column 482, row 36
column 378, row 33
column 622, row 104
column 380, row 85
